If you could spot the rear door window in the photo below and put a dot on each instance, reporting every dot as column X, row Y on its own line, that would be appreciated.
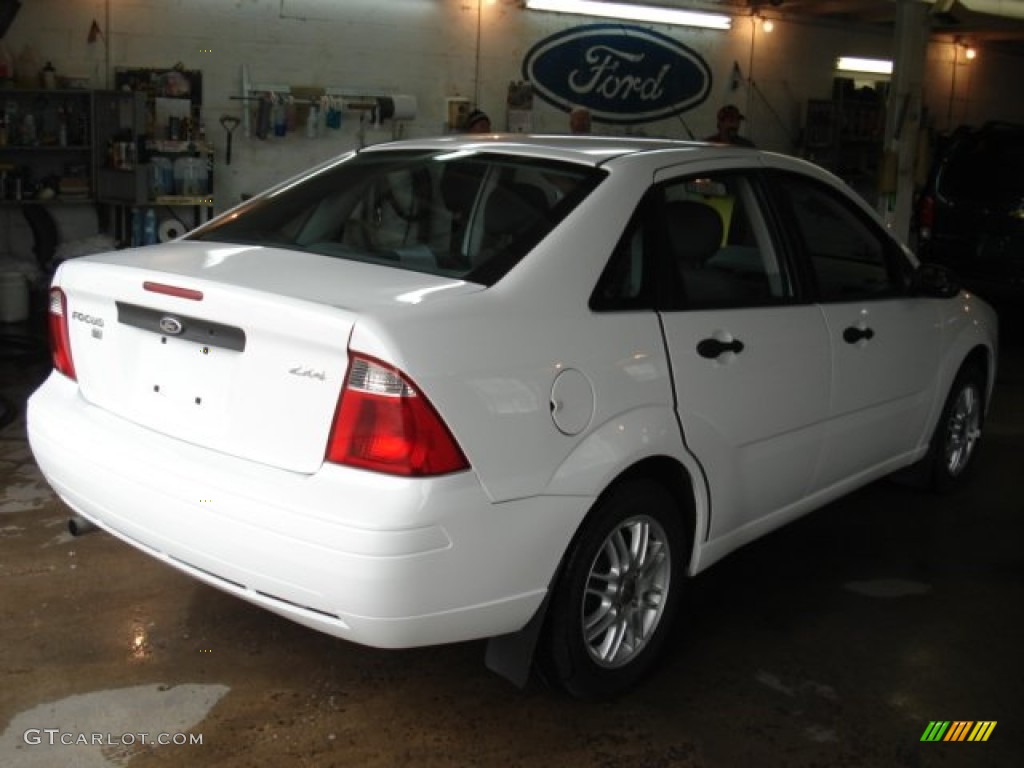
column 716, row 243
column 696, row 243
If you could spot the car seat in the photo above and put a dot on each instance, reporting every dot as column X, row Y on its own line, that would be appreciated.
column 512, row 210
column 694, row 233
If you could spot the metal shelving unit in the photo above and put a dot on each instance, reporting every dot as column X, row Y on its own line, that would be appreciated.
column 46, row 147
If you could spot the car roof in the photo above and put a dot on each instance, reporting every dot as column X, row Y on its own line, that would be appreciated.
column 588, row 150
column 647, row 153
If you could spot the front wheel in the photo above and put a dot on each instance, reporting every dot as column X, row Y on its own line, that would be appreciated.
column 958, row 431
column 613, row 605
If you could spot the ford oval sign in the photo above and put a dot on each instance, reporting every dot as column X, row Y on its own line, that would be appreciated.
column 622, row 74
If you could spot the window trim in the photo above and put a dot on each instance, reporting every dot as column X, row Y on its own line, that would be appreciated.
column 649, row 296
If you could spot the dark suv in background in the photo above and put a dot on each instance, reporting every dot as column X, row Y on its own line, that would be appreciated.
column 970, row 215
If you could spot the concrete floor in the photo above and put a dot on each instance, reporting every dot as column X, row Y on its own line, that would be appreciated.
column 833, row 642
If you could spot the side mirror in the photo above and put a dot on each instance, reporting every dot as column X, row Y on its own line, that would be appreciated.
column 934, row 281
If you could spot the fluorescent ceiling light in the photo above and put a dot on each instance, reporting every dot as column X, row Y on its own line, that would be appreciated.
column 651, row 13
column 854, row 64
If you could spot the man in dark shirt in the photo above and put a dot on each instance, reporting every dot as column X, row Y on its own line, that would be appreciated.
column 729, row 119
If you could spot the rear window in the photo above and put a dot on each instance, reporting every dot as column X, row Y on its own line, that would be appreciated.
column 465, row 215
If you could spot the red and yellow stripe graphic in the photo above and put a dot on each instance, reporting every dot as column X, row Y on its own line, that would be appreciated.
column 958, row 730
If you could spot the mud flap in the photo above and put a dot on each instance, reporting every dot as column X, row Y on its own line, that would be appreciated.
column 511, row 655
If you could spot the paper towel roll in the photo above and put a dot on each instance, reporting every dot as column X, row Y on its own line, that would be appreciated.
column 169, row 230
column 405, row 107
column 399, row 107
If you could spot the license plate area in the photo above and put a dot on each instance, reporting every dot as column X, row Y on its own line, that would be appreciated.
column 185, row 374
column 182, row 388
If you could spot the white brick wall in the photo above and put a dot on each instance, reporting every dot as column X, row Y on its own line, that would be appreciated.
column 429, row 48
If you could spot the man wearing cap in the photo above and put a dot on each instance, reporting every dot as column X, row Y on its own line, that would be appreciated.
column 729, row 118
column 477, row 121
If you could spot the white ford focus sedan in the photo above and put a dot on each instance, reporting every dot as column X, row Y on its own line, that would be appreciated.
column 504, row 387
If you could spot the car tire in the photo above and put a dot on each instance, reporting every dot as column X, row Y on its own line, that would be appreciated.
column 955, row 439
column 612, row 606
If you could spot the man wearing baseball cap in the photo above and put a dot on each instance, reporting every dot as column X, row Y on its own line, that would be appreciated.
column 477, row 121
column 729, row 118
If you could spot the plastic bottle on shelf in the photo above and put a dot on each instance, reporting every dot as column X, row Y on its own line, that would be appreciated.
column 313, row 122
column 280, row 120
column 161, row 177
column 191, row 176
column 28, row 131
column 291, row 115
column 137, row 224
column 149, row 228
column 48, row 77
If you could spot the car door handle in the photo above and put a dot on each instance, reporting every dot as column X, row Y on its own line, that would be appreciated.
column 852, row 335
column 712, row 348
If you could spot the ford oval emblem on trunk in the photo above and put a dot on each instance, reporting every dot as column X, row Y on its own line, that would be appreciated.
column 622, row 74
column 171, row 325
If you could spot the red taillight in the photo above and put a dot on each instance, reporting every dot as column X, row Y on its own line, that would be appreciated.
column 383, row 423
column 60, row 343
column 925, row 217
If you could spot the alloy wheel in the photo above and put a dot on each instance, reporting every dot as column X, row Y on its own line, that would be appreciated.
column 963, row 428
column 626, row 591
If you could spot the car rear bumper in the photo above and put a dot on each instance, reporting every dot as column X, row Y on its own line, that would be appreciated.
column 379, row 560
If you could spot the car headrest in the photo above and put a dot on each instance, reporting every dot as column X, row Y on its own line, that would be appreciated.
column 460, row 181
column 694, row 231
column 512, row 208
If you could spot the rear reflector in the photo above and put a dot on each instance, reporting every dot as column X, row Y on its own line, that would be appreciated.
column 173, row 290
column 60, row 341
column 384, row 424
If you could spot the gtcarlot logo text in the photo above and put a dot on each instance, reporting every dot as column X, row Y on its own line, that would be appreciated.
column 56, row 737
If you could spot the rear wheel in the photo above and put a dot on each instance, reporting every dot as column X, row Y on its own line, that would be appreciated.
column 613, row 606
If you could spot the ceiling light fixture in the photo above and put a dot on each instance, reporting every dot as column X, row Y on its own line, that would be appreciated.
column 856, row 64
column 650, row 13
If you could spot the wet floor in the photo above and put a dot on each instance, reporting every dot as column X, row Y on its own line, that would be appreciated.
column 834, row 642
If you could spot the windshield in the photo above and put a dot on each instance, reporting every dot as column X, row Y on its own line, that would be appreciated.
column 465, row 215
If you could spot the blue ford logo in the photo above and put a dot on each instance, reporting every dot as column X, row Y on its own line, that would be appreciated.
column 171, row 325
column 622, row 74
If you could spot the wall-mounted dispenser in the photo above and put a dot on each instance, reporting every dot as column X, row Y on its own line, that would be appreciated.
column 456, row 110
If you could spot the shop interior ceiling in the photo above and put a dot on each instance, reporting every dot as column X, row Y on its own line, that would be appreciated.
column 995, row 24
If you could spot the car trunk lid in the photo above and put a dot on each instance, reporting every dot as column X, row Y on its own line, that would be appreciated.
column 241, row 350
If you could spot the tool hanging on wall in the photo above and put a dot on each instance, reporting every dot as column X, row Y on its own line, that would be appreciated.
column 263, row 117
column 229, row 124
column 281, row 108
